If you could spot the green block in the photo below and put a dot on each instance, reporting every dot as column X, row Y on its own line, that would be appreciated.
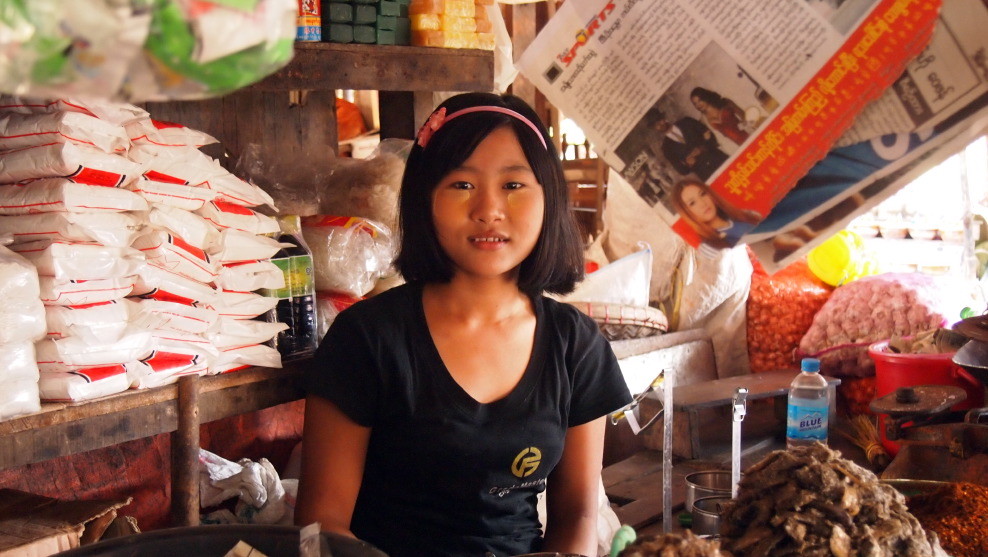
column 386, row 22
column 364, row 1
column 338, row 33
column 339, row 12
column 364, row 14
column 364, row 34
column 389, row 7
column 385, row 36
column 403, row 31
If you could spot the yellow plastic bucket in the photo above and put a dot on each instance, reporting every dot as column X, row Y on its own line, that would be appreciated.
column 842, row 258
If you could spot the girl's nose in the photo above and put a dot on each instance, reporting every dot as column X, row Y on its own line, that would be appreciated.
column 488, row 205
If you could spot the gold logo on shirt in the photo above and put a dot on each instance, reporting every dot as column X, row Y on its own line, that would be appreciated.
column 526, row 462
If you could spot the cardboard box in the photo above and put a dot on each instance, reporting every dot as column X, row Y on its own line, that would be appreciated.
column 37, row 526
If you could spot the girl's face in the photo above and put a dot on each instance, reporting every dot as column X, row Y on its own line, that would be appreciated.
column 488, row 212
column 699, row 203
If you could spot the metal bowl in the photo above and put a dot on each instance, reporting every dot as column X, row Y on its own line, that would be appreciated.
column 706, row 514
column 706, row 483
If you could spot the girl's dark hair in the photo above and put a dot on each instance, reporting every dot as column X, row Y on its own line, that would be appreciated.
column 555, row 264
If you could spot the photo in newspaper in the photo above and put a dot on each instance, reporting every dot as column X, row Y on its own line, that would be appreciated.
column 698, row 101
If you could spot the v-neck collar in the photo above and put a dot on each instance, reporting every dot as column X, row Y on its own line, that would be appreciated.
column 443, row 379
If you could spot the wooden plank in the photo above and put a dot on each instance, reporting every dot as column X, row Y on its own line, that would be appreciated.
column 720, row 392
column 635, row 487
column 63, row 429
column 329, row 66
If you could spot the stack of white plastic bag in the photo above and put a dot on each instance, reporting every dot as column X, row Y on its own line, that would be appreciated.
column 262, row 496
column 148, row 250
column 137, row 51
column 22, row 322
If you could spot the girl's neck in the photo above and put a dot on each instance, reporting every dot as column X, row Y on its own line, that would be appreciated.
column 481, row 299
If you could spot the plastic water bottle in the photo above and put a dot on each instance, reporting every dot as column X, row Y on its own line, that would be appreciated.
column 296, row 301
column 809, row 406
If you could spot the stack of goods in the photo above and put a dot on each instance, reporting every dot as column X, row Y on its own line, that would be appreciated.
column 871, row 309
column 138, row 51
column 349, row 255
column 958, row 513
column 672, row 545
column 366, row 21
column 139, row 240
column 22, row 322
column 811, row 501
column 451, row 23
column 780, row 310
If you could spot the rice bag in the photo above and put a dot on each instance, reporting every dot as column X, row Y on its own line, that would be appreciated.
column 81, row 260
column 161, row 284
column 168, row 251
column 109, row 229
column 248, row 276
column 77, row 292
column 84, row 383
column 98, row 323
column 79, row 163
column 181, row 196
column 243, row 305
column 61, row 194
column 189, row 226
column 23, row 130
column 69, row 353
column 349, row 254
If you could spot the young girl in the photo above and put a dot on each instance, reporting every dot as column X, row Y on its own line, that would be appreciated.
column 440, row 409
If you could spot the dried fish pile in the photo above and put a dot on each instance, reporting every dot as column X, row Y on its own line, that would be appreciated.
column 811, row 502
column 673, row 545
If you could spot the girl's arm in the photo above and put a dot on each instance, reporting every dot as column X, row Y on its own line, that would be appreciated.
column 571, row 492
column 334, row 449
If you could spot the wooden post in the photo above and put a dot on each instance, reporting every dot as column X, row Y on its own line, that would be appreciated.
column 185, row 455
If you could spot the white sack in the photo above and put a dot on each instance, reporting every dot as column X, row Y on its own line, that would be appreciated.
column 189, row 226
column 23, row 130
column 84, row 383
column 60, row 194
column 109, row 229
column 19, row 397
column 81, row 260
column 248, row 276
column 80, row 163
column 69, row 353
column 181, row 196
column 77, row 292
column 98, row 323
column 169, row 251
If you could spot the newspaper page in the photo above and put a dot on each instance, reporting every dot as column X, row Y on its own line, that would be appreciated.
column 727, row 102
column 937, row 106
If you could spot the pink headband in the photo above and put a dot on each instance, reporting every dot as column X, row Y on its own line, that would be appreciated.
column 438, row 118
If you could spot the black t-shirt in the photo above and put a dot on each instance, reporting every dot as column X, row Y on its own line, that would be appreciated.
column 445, row 474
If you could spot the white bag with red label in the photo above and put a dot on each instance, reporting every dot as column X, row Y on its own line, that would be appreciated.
column 169, row 251
column 223, row 214
column 72, row 352
column 80, row 163
column 162, row 284
column 236, row 245
column 182, row 196
column 248, row 276
column 76, row 292
column 230, row 333
column 189, row 226
column 243, row 305
column 173, row 316
column 258, row 355
column 23, row 130
column 98, row 323
column 59, row 194
column 109, row 229
column 81, row 260
column 83, row 383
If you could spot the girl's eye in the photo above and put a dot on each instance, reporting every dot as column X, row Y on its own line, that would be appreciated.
column 514, row 186
column 461, row 185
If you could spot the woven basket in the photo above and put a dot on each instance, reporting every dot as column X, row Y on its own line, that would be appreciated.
column 620, row 322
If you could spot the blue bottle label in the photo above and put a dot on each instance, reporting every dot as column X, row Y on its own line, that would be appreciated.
column 807, row 419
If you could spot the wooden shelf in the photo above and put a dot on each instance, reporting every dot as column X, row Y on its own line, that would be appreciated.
column 61, row 429
column 324, row 66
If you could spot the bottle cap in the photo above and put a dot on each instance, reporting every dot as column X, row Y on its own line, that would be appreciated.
column 811, row 365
